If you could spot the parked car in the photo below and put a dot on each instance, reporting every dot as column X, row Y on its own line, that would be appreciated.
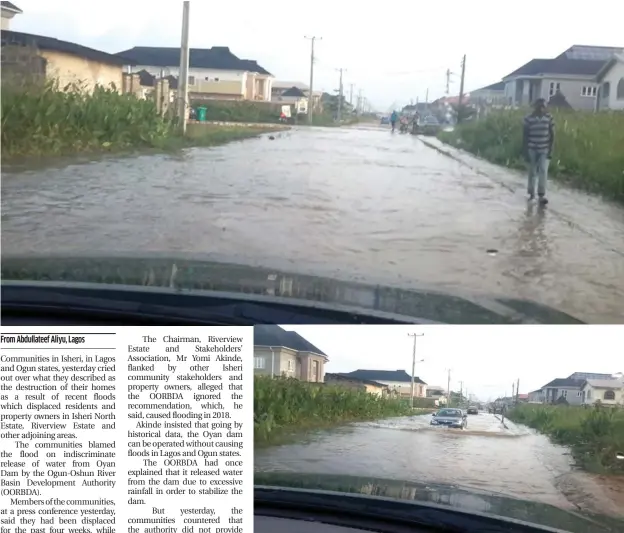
column 454, row 418
column 385, row 120
column 472, row 410
column 429, row 126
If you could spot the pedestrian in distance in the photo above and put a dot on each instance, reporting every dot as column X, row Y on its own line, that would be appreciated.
column 537, row 146
column 393, row 119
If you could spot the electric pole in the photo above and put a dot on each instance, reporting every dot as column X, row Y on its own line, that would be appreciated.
column 461, row 390
column 427, row 96
column 184, row 67
column 359, row 101
column 461, row 90
column 351, row 94
column 448, row 389
column 448, row 81
column 340, row 93
column 310, row 93
column 517, row 391
column 415, row 335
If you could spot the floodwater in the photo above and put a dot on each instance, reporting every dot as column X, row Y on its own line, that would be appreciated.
column 350, row 203
column 501, row 458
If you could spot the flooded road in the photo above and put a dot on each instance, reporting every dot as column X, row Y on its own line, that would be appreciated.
column 510, row 461
column 353, row 203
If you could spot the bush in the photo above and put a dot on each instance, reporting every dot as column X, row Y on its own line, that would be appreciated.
column 588, row 149
column 289, row 404
column 595, row 434
column 44, row 120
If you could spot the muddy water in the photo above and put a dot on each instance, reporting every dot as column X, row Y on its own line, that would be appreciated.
column 349, row 203
column 511, row 461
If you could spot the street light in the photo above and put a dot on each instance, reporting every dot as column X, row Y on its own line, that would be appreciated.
column 415, row 335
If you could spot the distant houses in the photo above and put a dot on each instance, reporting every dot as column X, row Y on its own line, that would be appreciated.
column 582, row 388
column 584, row 77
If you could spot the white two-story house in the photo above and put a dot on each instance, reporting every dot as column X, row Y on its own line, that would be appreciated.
column 214, row 73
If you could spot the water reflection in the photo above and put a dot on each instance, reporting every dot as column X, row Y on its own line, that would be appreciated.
column 357, row 205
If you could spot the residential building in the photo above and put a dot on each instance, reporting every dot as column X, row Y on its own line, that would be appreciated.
column 66, row 62
column 295, row 97
column 279, row 87
column 491, row 95
column 370, row 386
column 566, row 389
column 437, row 393
column 610, row 80
column 8, row 10
column 214, row 73
column 278, row 352
column 398, row 381
column 604, row 391
column 536, row 396
column 573, row 73
column 591, row 375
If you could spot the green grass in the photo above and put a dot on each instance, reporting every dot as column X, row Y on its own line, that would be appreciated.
column 44, row 120
column 595, row 435
column 47, row 121
column 284, row 406
column 588, row 151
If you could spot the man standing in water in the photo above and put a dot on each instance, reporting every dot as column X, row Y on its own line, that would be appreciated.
column 537, row 145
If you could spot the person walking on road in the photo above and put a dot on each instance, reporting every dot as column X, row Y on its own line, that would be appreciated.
column 537, row 145
column 393, row 119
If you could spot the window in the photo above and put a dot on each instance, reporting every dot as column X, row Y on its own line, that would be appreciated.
column 589, row 90
column 609, row 395
column 606, row 89
column 579, row 394
column 291, row 365
column 564, row 393
column 620, row 89
column 554, row 87
column 191, row 80
column 259, row 363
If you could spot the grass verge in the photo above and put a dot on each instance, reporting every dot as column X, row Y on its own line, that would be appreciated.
column 595, row 434
column 284, row 406
column 43, row 120
column 587, row 154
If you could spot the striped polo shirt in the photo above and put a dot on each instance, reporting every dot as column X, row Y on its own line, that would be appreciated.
column 538, row 131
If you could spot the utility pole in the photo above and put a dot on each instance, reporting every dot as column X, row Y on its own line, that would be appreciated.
column 461, row 90
column 360, row 101
column 448, row 81
column 184, row 67
column 415, row 335
column 427, row 96
column 311, row 91
column 461, row 390
column 351, row 94
column 517, row 391
column 448, row 389
column 340, row 93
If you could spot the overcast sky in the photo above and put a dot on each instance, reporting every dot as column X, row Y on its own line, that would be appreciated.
column 393, row 50
column 488, row 359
